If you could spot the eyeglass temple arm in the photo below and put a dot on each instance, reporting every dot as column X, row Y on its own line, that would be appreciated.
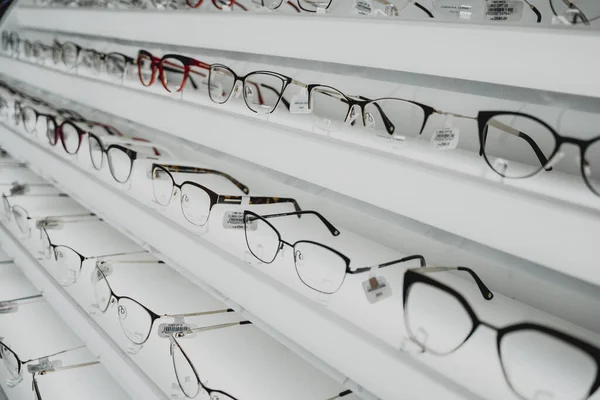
column 199, row 314
column 255, row 200
column 140, row 142
column 535, row 10
column 134, row 262
column 334, row 231
column 60, row 217
column 195, row 170
column 68, row 367
column 389, row 263
column 510, row 130
column 340, row 395
column 38, row 195
column 117, row 254
column 35, row 296
column 579, row 14
column 485, row 292
column 212, row 328
column 55, row 354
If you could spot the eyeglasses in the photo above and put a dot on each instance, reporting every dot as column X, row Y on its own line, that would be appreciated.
column 31, row 118
column 537, row 361
column 318, row 266
column 115, row 64
column 67, row 53
column 136, row 319
column 315, row 5
column 576, row 11
column 11, row 42
column 173, row 70
column 8, row 208
column 34, row 383
column 222, row 83
column 219, row 4
column 197, row 201
column 331, row 110
column 37, row 49
column 121, row 158
column 517, row 146
column 68, row 260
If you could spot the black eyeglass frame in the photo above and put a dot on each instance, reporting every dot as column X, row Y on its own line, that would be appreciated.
column 413, row 276
column 483, row 117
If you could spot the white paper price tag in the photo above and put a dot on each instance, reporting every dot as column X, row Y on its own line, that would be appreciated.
column 299, row 103
column 363, row 7
column 503, row 10
column 235, row 220
column 445, row 138
column 377, row 289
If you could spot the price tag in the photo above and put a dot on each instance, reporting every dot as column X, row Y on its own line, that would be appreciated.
column 363, row 7
column 462, row 9
column 44, row 365
column 503, row 10
column 235, row 220
column 445, row 138
column 377, row 289
column 8, row 307
column 299, row 103
column 166, row 330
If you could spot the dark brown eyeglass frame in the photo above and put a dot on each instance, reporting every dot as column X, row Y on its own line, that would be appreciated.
column 216, row 198
column 483, row 117
column 413, row 276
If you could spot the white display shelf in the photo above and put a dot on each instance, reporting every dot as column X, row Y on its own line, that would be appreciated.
column 122, row 369
column 424, row 193
column 436, row 48
column 315, row 331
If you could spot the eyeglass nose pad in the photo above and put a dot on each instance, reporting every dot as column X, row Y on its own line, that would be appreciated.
column 236, row 91
column 248, row 93
column 554, row 160
column 369, row 121
column 352, row 115
column 299, row 257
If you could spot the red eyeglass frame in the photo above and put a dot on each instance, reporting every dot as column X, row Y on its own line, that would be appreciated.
column 160, row 64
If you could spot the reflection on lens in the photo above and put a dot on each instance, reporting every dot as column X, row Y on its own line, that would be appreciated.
column 261, row 238
column 115, row 65
column 591, row 166
column 96, row 152
column 576, row 11
column 262, row 92
column 436, row 319
column 394, row 117
column 186, row 377
column 329, row 108
column 272, row 4
column 195, row 204
column 102, row 292
column 313, row 5
column 146, row 69
column 220, row 83
column 70, row 54
column 70, row 137
column 135, row 321
column 517, row 146
column 69, row 264
column 119, row 163
column 10, row 361
column 172, row 73
column 29, row 119
column 162, row 185
column 51, row 131
column 21, row 220
column 318, row 267
column 538, row 365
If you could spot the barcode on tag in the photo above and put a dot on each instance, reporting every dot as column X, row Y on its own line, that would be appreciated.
column 235, row 220
column 504, row 10
column 445, row 138
column 363, row 7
